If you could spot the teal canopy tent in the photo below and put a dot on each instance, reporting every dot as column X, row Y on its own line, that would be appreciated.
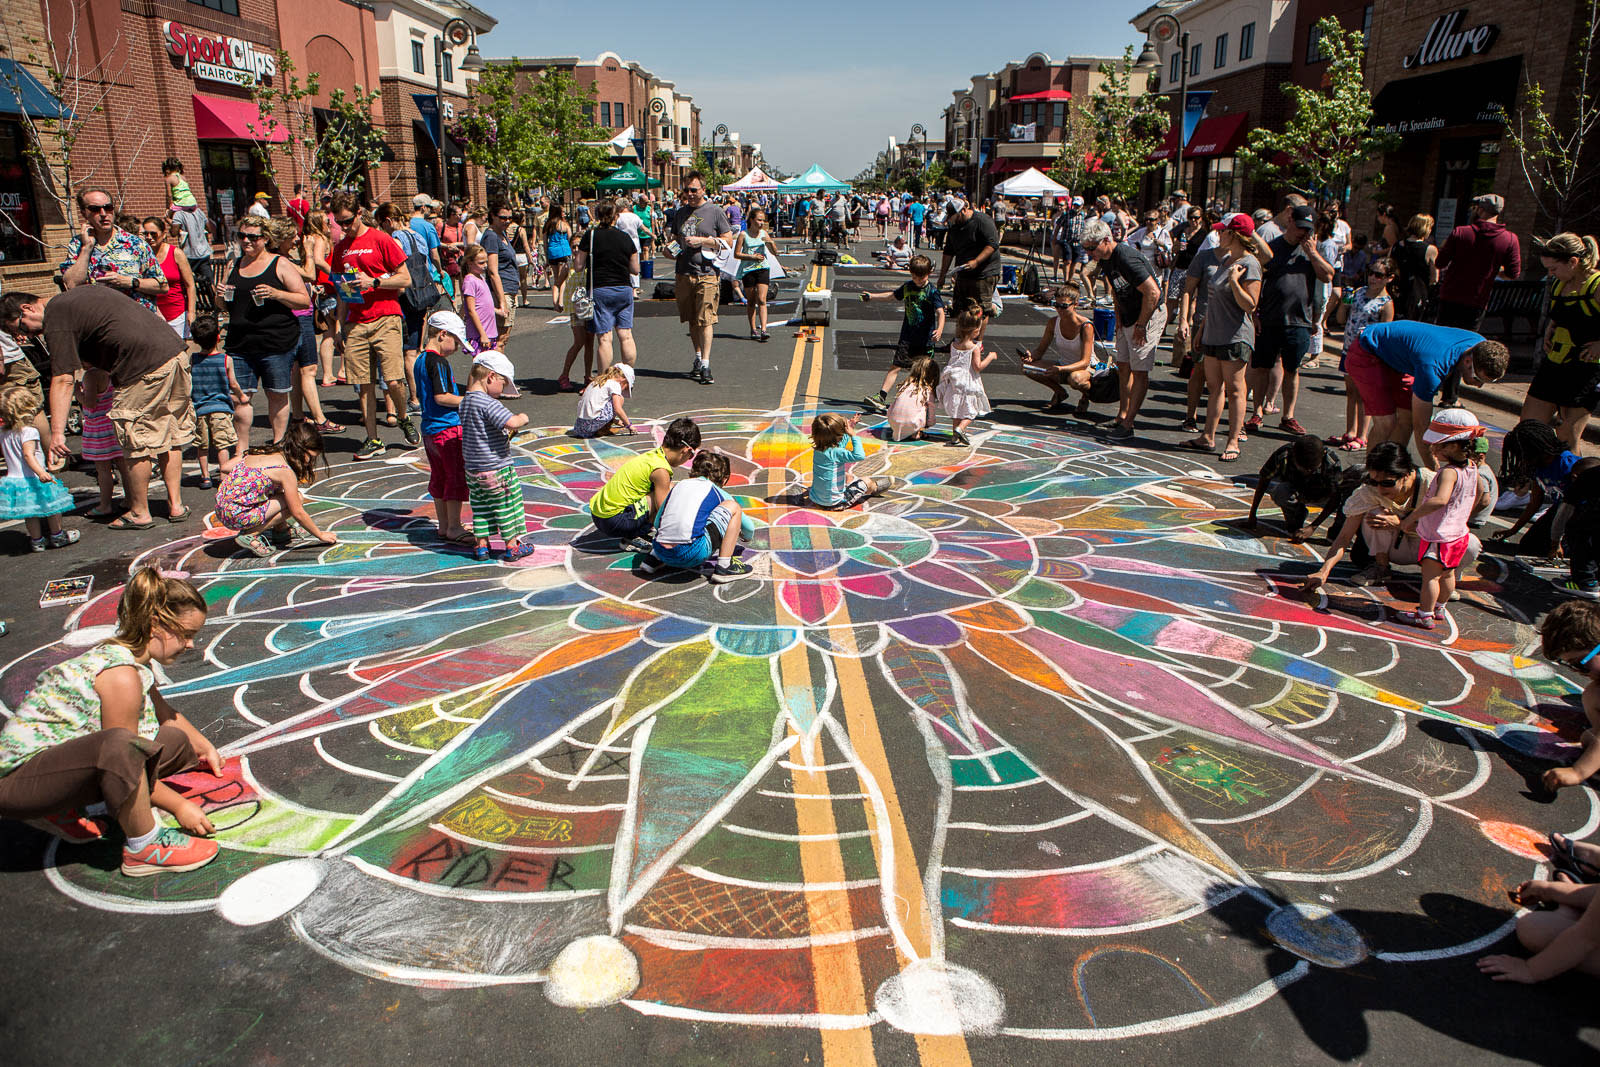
column 627, row 176
column 815, row 179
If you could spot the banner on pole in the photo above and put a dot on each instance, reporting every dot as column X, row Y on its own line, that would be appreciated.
column 1194, row 108
column 428, row 106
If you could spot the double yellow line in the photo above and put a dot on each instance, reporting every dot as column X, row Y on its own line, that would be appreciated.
column 836, row 967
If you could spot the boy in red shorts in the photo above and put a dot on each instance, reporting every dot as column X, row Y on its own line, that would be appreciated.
column 441, row 423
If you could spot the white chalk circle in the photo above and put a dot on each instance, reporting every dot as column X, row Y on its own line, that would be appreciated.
column 935, row 998
column 1314, row 933
column 270, row 892
column 87, row 636
column 592, row 972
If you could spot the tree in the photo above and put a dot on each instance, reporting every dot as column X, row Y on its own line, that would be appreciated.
column 1079, row 144
column 83, row 86
column 1555, row 160
column 1329, row 129
column 334, row 156
column 1128, row 127
column 564, row 152
column 497, row 130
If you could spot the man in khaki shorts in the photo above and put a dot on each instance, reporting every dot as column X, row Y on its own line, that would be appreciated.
column 97, row 326
column 702, row 231
column 374, row 337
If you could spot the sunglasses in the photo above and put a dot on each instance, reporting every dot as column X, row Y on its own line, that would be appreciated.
column 1063, row 304
column 252, row 237
column 1387, row 483
column 95, row 209
column 1582, row 665
column 347, row 220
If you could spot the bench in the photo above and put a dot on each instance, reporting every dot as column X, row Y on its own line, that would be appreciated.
column 1512, row 300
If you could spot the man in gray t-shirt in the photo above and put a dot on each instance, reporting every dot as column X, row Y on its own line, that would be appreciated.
column 701, row 230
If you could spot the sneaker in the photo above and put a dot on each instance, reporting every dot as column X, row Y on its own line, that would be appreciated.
column 1415, row 618
column 481, row 553
column 876, row 403
column 38, row 544
column 413, row 408
column 408, row 430
column 1292, row 425
column 64, row 538
column 705, row 375
column 649, row 565
column 1253, row 423
column 371, row 448
column 1118, row 432
column 959, row 439
column 523, row 550
column 1439, row 615
column 564, row 384
column 765, row 337
column 734, row 568
column 1587, row 590
column 74, row 827
column 172, row 850
column 1371, row 574
column 697, row 370
column 639, row 546
column 255, row 544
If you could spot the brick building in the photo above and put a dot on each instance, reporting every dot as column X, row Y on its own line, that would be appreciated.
column 176, row 77
column 1443, row 76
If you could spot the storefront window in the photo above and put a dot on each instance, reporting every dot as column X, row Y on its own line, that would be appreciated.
column 1224, row 181
column 232, row 176
column 19, row 211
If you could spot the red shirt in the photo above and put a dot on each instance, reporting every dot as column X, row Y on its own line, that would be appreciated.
column 374, row 254
column 1471, row 258
column 299, row 208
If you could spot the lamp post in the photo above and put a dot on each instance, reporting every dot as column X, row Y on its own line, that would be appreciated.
column 968, row 110
column 919, row 130
column 1165, row 29
column 456, row 32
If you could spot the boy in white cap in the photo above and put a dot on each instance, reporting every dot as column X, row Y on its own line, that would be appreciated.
column 441, row 422
column 493, row 486
column 1440, row 518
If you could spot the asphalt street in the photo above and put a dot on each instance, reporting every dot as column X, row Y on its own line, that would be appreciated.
column 1146, row 805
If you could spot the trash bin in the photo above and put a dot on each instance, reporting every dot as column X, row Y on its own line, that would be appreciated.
column 647, row 268
column 1008, row 275
column 1105, row 322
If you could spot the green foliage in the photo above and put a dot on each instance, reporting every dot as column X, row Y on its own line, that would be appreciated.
column 1555, row 158
column 1329, row 129
column 498, row 131
column 350, row 143
column 335, row 157
column 559, row 159
column 1128, row 127
column 1080, row 142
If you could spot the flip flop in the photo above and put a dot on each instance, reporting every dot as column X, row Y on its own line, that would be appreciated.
column 1229, row 455
column 179, row 516
column 125, row 523
column 1564, row 857
column 1194, row 444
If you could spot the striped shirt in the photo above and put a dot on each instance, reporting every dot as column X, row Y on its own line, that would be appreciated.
column 484, row 444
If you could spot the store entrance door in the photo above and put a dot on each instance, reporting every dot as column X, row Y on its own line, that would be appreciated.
column 1466, row 170
column 232, row 178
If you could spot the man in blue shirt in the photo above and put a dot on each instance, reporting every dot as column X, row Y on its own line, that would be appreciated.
column 1399, row 367
column 918, row 211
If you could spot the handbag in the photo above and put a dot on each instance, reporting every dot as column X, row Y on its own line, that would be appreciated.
column 582, row 302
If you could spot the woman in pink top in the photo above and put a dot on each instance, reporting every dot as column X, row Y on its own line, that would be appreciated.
column 177, row 304
column 1440, row 519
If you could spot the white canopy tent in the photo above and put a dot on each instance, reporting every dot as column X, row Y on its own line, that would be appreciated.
column 757, row 181
column 1030, row 183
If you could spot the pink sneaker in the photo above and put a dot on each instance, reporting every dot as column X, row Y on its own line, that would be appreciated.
column 1416, row 618
column 172, row 850
column 73, row 827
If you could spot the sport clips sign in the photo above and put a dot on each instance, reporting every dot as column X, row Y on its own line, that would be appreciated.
column 219, row 59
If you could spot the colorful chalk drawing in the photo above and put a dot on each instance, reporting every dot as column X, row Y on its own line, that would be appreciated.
column 680, row 797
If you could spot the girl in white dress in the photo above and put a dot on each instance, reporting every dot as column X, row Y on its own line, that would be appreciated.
column 961, row 392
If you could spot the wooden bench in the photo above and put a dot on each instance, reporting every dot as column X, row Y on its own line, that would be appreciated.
column 1512, row 300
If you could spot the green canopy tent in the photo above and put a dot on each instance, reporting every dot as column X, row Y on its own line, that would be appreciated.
column 815, row 179
column 627, row 176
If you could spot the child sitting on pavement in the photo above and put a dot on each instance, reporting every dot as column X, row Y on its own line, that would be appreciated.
column 1374, row 511
column 493, row 486
column 834, row 449
column 626, row 506
column 699, row 521
column 1570, row 635
column 1301, row 473
column 441, row 423
column 920, row 331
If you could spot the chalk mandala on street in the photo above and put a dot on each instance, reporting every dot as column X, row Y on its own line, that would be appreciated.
column 1129, row 747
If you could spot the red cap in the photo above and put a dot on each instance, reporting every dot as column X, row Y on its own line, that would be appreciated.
column 1239, row 222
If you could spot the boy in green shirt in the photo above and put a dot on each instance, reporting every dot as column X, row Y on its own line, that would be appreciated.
column 625, row 507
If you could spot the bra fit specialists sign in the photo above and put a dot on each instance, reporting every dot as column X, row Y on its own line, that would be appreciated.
column 218, row 58
column 1447, row 40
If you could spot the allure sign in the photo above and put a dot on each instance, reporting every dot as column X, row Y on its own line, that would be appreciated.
column 1446, row 40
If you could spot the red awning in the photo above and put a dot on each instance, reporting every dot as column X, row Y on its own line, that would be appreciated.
column 1048, row 94
column 222, row 118
column 1219, row 136
column 1015, row 165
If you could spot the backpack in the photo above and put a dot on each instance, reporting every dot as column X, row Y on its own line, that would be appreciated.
column 417, row 297
column 1028, row 283
column 665, row 290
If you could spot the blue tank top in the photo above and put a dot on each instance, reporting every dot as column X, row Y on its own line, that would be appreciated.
column 559, row 246
column 208, row 384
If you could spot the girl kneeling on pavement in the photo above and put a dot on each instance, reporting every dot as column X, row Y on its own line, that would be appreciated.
column 260, row 496
column 91, row 743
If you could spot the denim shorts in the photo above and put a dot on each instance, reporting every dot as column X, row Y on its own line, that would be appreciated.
column 613, row 308
column 274, row 373
column 306, row 354
column 689, row 556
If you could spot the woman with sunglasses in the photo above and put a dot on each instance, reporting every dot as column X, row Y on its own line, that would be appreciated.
column 1064, row 355
column 1373, row 511
column 177, row 303
column 262, row 293
column 1369, row 305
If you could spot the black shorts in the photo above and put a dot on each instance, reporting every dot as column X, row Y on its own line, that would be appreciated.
column 757, row 277
column 908, row 350
column 972, row 290
column 1237, row 352
column 1276, row 342
column 1570, row 384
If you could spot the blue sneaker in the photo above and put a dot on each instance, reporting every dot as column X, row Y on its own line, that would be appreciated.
column 481, row 553
column 523, row 550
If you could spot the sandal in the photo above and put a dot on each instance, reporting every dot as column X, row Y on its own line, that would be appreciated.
column 126, row 523
column 1354, row 444
column 1190, row 426
column 389, row 420
column 1194, row 444
column 1229, row 454
column 179, row 516
column 1339, row 439
column 1563, row 857
column 327, row 426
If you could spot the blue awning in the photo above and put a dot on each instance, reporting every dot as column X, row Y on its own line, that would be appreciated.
column 23, row 94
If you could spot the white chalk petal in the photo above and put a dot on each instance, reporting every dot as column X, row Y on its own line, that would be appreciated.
column 270, row 892
column 592, row 972
column 929, row 997
column 87, row 636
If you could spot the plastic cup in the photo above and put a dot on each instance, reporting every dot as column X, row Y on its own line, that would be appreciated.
column 257, row 297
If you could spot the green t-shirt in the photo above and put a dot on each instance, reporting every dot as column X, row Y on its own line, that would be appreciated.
column 629, row 485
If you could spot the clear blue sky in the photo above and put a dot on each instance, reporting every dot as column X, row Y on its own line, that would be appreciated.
column 826, row 82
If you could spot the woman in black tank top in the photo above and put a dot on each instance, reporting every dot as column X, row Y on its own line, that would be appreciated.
column 262, row 292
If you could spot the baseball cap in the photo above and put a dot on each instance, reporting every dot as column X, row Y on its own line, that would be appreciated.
column 1238, row 222
column 1453, row 424
column 497, row 363
column 263, row 196
column 1180, row 194
column 421, row 200
column 1303, row 216
column 450, row 323
column 1492, row 202
column 1077, row 201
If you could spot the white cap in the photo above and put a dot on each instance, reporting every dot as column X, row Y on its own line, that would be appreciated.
column 450, row 323
column 421, row 200
column 627, row 377
column 1452, row 424
column 497, row 363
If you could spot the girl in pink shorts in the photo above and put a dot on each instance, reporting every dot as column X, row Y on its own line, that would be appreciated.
column 1440, row 519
